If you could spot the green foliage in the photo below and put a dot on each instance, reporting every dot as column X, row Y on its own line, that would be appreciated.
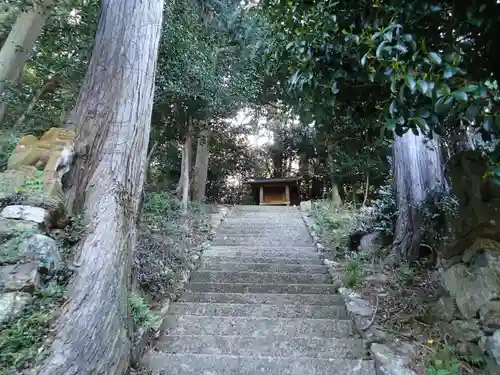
column 140, row 312
column 402, row 65
column 437, row 210
column 8, row 143
column 22, row 338
column 52, row 74
column 404, row 275
column 446, row 361
column 334, row 224
column 354, row 273
column 384, row 211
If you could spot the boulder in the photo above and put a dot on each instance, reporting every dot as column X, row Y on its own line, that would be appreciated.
column 11, row 228
column 29, row 213
column 22, row 277
column 493, row 346
column 355, row 303
column 472, row 287
column 463, row 330
column 12, row 305
column 390, row 362
column 370, row 242
column 444, row 309
column 44, row 250
column 490, row 315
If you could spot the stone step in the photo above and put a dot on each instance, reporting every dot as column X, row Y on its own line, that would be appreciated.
column 252, row 237
column 305, row 252
column 263, row 298
column 259, row 277
column 249, row 326
column 262, row 222
column 313, row 347
column 300, row 259
column 259, row 310
column 261, row 242
column 205, row 364
column 208, row 265
column 261, row 288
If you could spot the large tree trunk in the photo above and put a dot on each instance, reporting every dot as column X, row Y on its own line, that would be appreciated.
column 19, row 43
column 186, row 166
column 185, row 160
column 113, row 115
column 201, row 166
column 418, row 168
column 335, row 195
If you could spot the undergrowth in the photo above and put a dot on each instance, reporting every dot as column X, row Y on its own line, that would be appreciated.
column 334, row 224
column 22, row 338
column 164, row 242
column 140, row 311
column 445, row 360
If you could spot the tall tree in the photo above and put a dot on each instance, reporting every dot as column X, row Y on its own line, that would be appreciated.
column 19, row 43
column 112, row 115
column 418, row 170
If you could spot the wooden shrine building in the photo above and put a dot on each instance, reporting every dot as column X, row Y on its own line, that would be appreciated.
column 276, row 191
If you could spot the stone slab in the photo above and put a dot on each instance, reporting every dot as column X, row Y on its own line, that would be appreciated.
column 263, row 258
column 312, row 347
column 200, row 364
column 261, row 288
column 207, row 265
column 259, row 310
column 249, row 326
column 259, row 277
column 259, row 298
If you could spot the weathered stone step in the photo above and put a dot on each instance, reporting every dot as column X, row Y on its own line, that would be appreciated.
column 301, row 259
column 259, row 277
column 259, row 310
column 206, row 364
column 261, row 242
column 248, row 326
column 252, row 238
column 261, row 288
column 283, row 346
column 259, row 298
column 208, row 265
column 277, row 251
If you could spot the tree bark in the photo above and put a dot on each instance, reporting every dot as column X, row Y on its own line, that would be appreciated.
column 113, row 115
column 185, row 159
column 367, row 187
column 201, row 165
column 418, row 168
column 185, row 175
column 19, row 44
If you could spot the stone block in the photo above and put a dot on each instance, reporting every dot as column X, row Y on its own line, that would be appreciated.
column 19, row 277
column 12, row 305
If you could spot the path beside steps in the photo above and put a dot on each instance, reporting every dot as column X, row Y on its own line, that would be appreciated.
column 261, row 303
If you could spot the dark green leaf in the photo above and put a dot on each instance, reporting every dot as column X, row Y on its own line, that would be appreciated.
column 410, row 82
column 449, row 72
column 422, row 124
column 363, row 59
column 380, row 48
column 459, row 95
column 443, row 105
column 392, row 108
column 422, row 86
column 435, row 58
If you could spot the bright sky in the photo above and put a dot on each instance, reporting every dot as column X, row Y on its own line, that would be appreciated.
column 261, row 136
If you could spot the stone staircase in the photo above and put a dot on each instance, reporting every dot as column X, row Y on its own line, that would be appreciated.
column 261, row 303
